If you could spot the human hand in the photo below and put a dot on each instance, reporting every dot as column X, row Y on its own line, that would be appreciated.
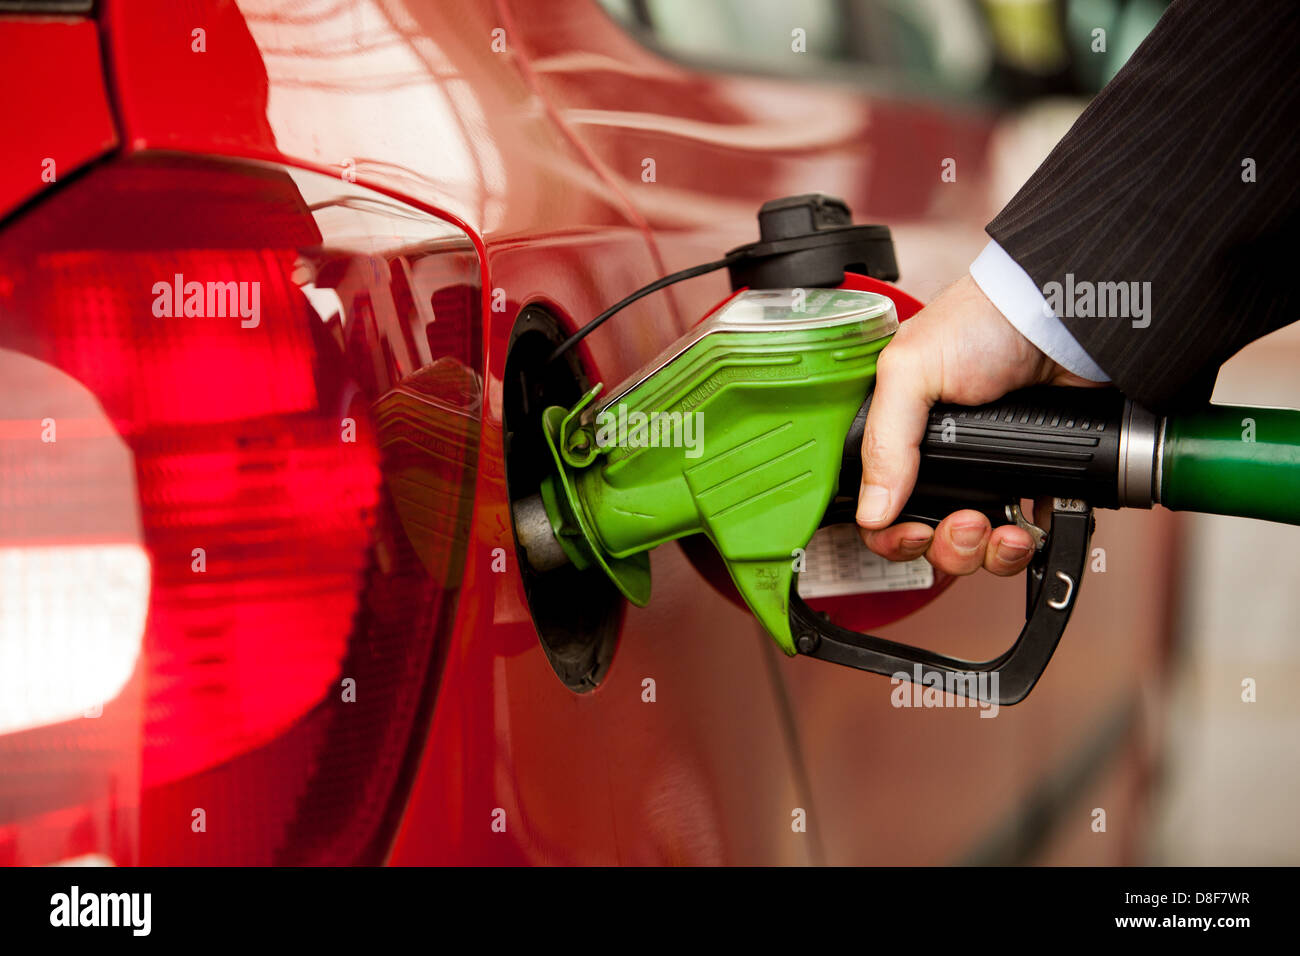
column 960, row 349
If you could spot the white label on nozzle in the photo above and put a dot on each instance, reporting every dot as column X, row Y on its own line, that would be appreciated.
column 837, row 562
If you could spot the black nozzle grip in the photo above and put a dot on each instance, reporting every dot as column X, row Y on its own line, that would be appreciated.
column 1044, row 441
column 1052, row 589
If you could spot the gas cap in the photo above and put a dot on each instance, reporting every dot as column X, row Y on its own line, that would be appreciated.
column 810, row 240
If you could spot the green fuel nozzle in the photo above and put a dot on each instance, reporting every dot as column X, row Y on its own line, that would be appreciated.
column 748, row 430
column 736, row 431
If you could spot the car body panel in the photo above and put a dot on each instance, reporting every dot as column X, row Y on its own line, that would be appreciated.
column 599, row 778
column 536, row 149
column 724, row 143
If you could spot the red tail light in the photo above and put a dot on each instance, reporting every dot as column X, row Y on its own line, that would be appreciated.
column 239, row 413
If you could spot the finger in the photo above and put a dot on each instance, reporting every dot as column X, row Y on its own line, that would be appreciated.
column 1008, row 551
column 960, row 542
column 891, row 441
column 899, row 542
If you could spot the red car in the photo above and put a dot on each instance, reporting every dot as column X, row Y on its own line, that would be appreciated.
column 276, row 280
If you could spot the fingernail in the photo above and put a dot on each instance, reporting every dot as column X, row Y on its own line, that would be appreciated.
column 873, row 503
column 914, row 545
column 967, row 537
column 1011, row 553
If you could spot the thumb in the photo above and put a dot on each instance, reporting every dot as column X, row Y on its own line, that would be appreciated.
column 891, row 443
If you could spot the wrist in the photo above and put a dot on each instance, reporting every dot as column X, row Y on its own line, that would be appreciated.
column 1011, row 291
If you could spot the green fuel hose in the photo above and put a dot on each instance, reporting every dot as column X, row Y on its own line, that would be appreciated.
column 1232, row 460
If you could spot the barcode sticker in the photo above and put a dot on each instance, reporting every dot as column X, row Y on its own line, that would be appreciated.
column 837, row 562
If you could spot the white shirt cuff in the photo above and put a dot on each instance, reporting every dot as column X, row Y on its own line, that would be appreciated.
column 1014, row 294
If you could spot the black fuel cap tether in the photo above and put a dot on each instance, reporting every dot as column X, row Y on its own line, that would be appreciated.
column 810, row 241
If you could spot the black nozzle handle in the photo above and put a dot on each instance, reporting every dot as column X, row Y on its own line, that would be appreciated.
column 1044, row 441
column 1052, row 589
column 1071, row 445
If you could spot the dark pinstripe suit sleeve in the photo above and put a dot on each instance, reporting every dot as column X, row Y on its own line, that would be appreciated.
column 1149, row 186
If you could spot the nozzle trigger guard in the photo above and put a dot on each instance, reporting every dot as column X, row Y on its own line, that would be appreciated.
column 1051, row 592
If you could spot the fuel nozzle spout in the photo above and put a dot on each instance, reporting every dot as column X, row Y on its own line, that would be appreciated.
column 536, row 536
